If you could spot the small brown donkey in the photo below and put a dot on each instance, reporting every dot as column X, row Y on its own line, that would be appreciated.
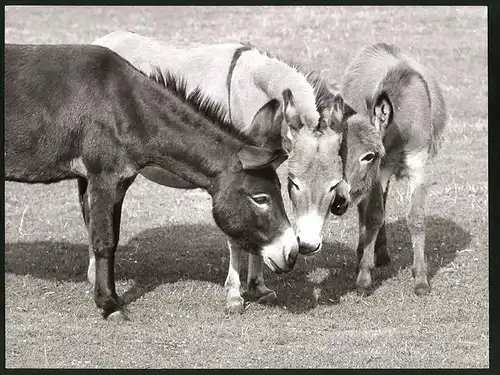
column 392, row 113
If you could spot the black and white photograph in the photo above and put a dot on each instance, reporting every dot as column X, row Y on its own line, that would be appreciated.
column 249, row 187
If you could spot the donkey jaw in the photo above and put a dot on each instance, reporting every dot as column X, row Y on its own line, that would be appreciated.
column 281, row 254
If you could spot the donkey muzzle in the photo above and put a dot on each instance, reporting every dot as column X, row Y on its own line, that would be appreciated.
column 309, row 227
column 341, row 202
column 281, row 255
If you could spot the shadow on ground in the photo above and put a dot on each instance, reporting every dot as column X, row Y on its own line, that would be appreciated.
column 198, row 252
column 443, row 241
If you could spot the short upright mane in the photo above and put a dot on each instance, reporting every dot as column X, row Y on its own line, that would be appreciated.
column 323, row 96
column 198, row 101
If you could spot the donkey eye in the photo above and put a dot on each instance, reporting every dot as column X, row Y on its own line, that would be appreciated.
column 367, row 158
column 261, row 199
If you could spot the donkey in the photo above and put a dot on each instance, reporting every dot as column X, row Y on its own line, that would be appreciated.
column 241, row 78
column 393, row 114
column 83, row 112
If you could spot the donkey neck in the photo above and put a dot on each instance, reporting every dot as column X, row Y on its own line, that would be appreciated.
column 182, row 140
column 273, row 76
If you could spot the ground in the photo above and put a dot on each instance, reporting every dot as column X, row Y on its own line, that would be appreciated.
column 172, row 259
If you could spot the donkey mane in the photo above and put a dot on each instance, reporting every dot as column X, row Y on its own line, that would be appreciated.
column 323, row 96
column 198, row 101
column 389, row 48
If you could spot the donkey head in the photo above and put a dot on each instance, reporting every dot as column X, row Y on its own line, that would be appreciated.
column 314, row 172
column 362, row 148
column 247, row 202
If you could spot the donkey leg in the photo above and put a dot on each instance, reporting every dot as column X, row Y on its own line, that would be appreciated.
column 117, row 216
column 104, row 204
column 382, row 257
column 256, row 285
column 84, row 204
column 234, row 301
column 416, row 227
column 373, row 219
column 361, row 233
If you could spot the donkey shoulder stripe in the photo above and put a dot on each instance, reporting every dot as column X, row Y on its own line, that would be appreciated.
column 234, row 60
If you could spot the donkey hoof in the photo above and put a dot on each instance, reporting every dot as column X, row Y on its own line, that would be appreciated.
column 118, row 316
column 422, row 289
column 363, row 291
column 364, row 282
column 270, row 298
column 235, row 306
column 382, row 259
column 120, row 301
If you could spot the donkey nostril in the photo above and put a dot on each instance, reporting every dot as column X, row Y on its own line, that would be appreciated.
column 298, row 239
column 339, row 201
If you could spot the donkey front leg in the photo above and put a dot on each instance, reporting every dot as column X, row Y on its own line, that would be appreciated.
column 105, row 203
column 84, row 204
column 234, row 301
column 416, row 227
column 371, row 218
column 256, row 285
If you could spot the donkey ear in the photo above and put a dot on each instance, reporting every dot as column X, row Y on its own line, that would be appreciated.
column 268, row 128
column 253, row 157
column 382, row 112
column 290, row 112
column 262, row 122
column 340, row 112
column 337, row 111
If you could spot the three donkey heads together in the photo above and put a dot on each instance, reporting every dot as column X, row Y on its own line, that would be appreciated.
column 104, row 121
column 241, row 79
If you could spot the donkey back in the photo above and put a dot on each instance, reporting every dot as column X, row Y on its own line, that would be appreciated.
column 414, row 95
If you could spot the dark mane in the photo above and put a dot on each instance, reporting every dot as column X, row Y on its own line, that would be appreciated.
column 324, row 97
column 198, row 101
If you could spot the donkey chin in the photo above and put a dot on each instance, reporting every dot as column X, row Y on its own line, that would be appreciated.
column 281, row 254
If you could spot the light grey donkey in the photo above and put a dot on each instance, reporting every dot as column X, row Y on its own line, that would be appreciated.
column 392, row 113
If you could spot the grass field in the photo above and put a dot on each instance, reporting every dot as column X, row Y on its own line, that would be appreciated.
column 172, row 259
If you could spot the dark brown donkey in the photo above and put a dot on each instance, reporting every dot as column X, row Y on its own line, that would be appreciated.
column 83, row 112
column 392, row 113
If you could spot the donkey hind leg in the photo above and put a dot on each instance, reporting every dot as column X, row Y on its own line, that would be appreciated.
column 416, row 226
column 234, row 301
column 105, row 197
column 382, row 257
column 256, row 284
column 371, row 211
column 84, row 204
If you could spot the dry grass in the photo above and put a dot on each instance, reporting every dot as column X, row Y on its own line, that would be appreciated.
column 172, row 259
